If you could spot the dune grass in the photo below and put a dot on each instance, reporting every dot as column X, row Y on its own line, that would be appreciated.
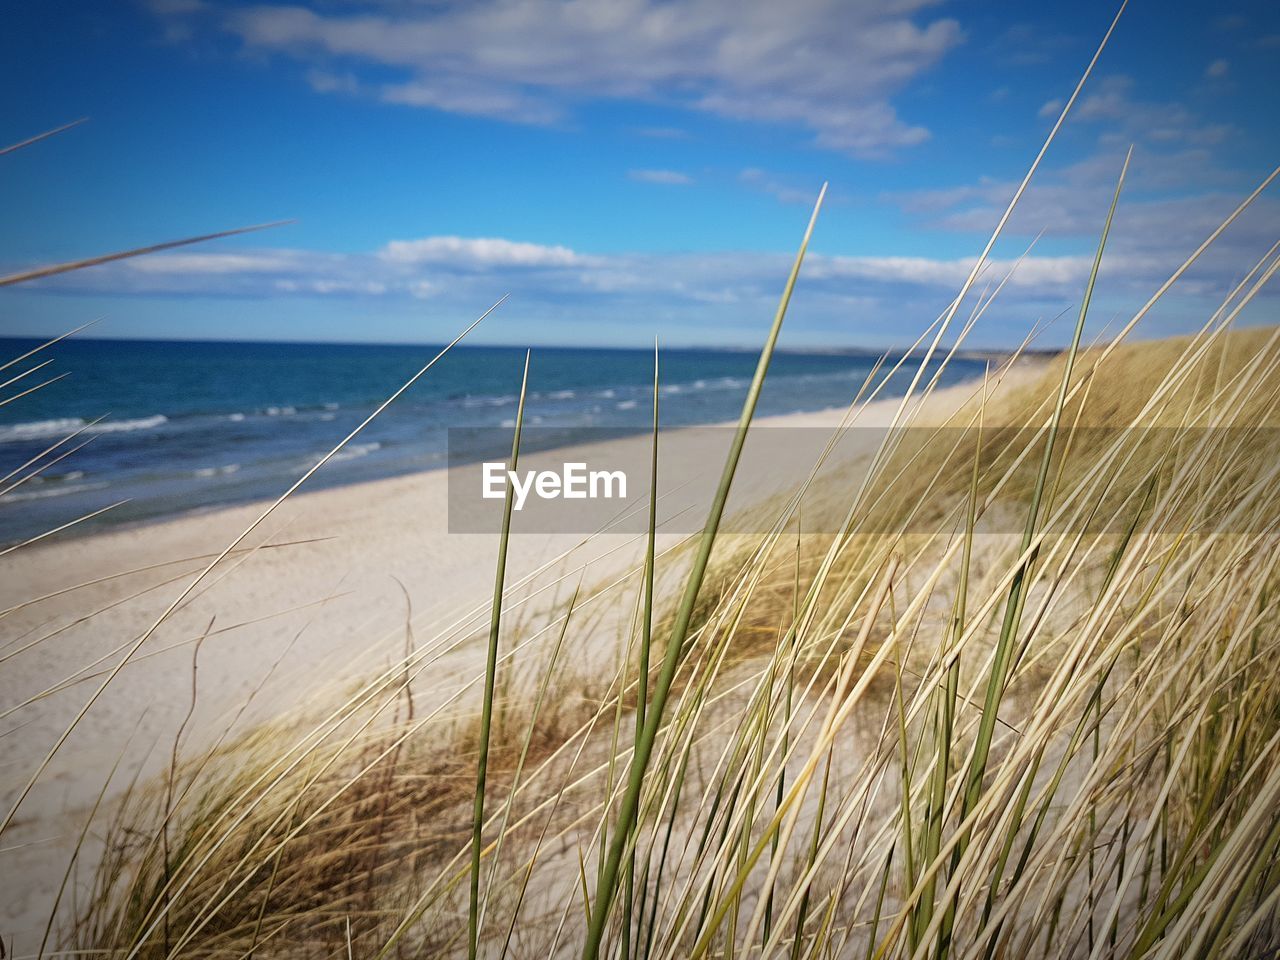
column 809, row 788
column 1021, row 703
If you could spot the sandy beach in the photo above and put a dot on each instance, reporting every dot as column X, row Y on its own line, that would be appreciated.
column 655, row 480
column 316, row 598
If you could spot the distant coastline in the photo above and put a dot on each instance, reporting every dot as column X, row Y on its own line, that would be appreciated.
column 171, row 427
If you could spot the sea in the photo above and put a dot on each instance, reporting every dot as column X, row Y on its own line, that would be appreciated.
column 171, row 427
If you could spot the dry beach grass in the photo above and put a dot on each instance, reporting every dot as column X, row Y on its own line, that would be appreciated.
column 1032, row 712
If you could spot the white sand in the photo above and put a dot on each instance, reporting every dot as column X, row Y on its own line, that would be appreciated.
column 380, row 535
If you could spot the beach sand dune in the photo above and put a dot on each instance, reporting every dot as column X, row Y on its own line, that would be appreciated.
column 319, row 604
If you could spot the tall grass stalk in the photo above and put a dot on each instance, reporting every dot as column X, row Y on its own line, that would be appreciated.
column 222, row 555
column 684, row 613
column 26, row 276
column 1150, row 645
column 41, row 136
column 646, row 643
column 1005, row 647
column 490, row 675
column 1032, row 715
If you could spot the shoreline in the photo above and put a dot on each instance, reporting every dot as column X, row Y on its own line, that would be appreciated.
column 236, row 423
column 324, row 601
column 804, row 418
column 88, row 529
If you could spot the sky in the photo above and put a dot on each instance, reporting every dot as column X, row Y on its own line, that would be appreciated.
column 625, row 169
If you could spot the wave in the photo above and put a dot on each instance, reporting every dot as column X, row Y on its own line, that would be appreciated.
column 43, row 493
column 63, row 426
column 222, row 471
column 40, row 429
column 325, row 411
column 355, row 451
column 719, row 383
column 56, row 477
column 128, row 426
column 483, row 401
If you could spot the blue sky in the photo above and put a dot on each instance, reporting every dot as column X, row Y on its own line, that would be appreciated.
column 624, row 168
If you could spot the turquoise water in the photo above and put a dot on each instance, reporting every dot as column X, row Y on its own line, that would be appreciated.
column 189, row 425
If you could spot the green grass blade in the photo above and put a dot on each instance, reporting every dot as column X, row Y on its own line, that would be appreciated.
column 490, row 670
column 646, row 638
column 1005, row 653
column 57, row 268
column 684, row 614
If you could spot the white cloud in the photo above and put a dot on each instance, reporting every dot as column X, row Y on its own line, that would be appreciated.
column 1173, row 200
column 842, row 299
column 1036, row 273
column 477, row 252
column 327, row 288
column 213, row 263
column 776, row 187
column 457, row 95
column 325, row 81
column 828, row 66
column 670, row 178
column 1112, row 102
column 1217, row 70
column 1029, row 44
column 1176, row 193
column 1050, row 109
column 447, row 266
column 663, row 133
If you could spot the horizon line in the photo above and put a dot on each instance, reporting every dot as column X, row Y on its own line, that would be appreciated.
column 703, row 348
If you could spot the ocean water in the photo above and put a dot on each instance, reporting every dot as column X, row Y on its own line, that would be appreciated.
column 180, row 426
